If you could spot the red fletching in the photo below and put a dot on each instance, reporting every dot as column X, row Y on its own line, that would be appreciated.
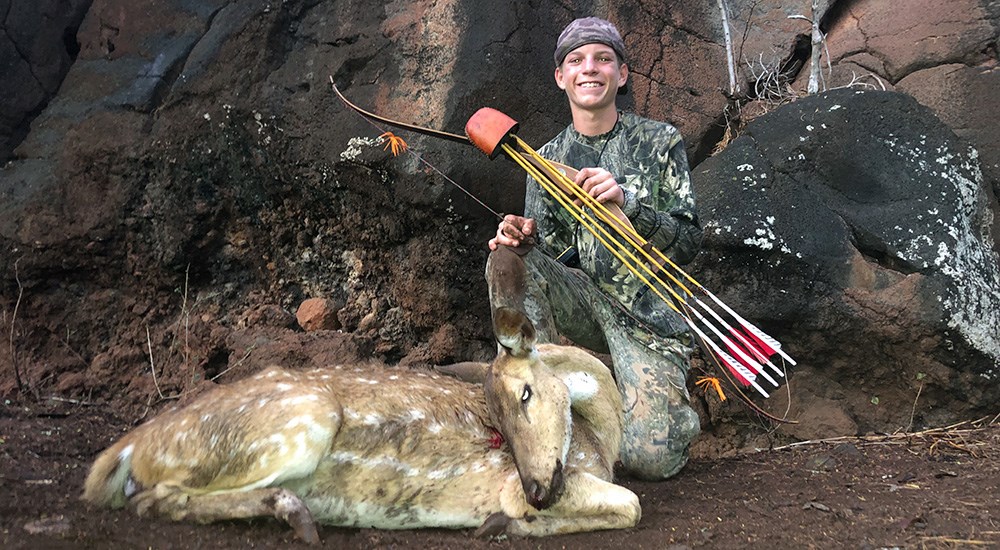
column 734, row 351
column 748, row 345
column 739, row 376
column 761, row 346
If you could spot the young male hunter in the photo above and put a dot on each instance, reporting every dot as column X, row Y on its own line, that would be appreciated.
column 639, row 165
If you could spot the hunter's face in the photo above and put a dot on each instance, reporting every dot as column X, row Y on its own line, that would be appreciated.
column 591, row 76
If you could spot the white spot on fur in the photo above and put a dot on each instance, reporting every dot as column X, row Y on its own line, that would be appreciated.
column 168, row 460
column 299, row 399
column 126, row 453
column 582, row 386
column 301, row 445
column 303, row 420
column 277, row 439
column 375, row 462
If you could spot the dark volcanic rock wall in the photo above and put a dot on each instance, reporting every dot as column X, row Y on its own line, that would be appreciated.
column 37, row 46
column 857, row 225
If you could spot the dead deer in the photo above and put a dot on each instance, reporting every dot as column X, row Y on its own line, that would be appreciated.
column 388, row 448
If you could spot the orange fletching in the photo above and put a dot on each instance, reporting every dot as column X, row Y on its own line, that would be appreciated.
column 706, row 382
column 395, row 142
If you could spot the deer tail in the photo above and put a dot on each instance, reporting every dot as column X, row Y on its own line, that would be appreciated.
column 105, row 485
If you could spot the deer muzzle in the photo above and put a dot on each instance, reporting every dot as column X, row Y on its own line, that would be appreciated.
column 542, row 495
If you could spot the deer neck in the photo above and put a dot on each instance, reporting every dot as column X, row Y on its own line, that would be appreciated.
column 594, row 396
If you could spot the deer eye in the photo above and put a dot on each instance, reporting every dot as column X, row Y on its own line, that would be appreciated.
column 527, row 394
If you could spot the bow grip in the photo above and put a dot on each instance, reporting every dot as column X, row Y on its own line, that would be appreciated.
column 488, row 129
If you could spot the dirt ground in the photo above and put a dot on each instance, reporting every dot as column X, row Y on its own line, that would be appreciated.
column 935, row 489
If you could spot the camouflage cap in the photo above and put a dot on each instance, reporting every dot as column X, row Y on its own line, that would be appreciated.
column 588, row 30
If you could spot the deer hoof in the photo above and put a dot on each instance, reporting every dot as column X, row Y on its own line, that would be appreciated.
column 494, row 526
column 291, row 509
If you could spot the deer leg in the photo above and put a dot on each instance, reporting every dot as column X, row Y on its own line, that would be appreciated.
column 588, row 503
column 171, row 501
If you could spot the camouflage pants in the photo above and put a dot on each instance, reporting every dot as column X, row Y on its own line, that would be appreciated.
column 650, row 368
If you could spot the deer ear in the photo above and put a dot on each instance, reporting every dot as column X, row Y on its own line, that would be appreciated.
column 467, row 371
column 514, row 331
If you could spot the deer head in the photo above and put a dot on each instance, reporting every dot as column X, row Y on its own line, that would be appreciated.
column 531, row 406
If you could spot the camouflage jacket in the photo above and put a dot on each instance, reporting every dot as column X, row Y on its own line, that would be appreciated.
column 648, row 160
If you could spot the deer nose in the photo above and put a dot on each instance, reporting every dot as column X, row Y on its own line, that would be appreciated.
column 541, row 497
column 537, row 495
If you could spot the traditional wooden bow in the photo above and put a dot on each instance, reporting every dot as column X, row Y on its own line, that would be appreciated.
column 733, row 342
column 568, row 171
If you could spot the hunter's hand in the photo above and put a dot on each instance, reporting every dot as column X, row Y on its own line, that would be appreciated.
column 513, row 231
column 601, row 185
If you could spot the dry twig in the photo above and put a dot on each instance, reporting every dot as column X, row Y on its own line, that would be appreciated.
column 957, row 430
column 238, row 363
column 13, row 317
column 71, row 401
column 818, row 39
column 730, row 56
column 913, row 410
column 187, row 317
column 152, row 365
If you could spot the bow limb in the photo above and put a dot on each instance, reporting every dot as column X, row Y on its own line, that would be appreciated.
column 403, row 125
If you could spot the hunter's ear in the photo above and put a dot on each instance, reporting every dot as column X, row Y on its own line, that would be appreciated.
column 559, row 78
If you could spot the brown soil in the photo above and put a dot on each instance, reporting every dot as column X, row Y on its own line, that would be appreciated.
column 935, row 489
